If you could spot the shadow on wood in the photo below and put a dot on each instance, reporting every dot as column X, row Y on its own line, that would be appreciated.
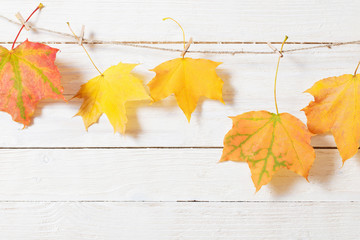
column 321, row 173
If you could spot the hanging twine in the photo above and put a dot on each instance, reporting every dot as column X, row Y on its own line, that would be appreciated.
column 145, row 44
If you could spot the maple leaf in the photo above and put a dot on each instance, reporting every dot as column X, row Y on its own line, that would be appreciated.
column 188, row 79
column 336, row 108
column 108, row 93
column 268, row 142
column 27, row 75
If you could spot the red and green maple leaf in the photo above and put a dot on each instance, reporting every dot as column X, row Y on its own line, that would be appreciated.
column 28, row 74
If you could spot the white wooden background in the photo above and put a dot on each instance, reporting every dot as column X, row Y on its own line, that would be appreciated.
column 162, row 180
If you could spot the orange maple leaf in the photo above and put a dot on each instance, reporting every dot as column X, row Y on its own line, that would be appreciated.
column 27, row 74
column 336, row 108
column 268, row 142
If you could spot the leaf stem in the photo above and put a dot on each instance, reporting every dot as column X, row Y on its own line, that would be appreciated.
column 356, row 69
column 40, row 6
column 179, row 26
column 77, row 38
column 277, row 69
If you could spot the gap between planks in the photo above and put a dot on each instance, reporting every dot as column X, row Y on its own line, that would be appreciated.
column 180, row 42
column 177, row 201
column 152, row 147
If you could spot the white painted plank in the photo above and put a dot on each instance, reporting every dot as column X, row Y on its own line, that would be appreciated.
column 164, row 175
column 30, row 178
column 248, row 86
column 219, row 20
column 201, row 221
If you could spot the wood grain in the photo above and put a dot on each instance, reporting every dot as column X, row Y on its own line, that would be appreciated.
column 164, row 175
column 219, row 20
column 168, row 220
column 58, row 181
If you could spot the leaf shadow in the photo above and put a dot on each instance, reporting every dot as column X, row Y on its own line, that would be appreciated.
column 71, row 77
column 228, row 89
column 283, row 181
column 325, row 139
column 325, row 166
column 357, row 158
column 321, row 173
column 133, row 127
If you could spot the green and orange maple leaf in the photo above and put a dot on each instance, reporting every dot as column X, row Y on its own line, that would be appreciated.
column 336, row 108
column 267, row 142
column 28, row 74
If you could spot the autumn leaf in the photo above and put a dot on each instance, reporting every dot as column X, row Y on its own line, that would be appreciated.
column 108, row 93
column 188, row 79
column 27, row 74
column 336, row 108
column 268, row 142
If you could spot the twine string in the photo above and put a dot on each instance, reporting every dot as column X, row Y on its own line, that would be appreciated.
column 145, row 44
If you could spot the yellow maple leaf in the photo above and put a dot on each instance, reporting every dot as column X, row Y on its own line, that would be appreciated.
column 188, row 79
column 108, row 93
column 268, row 142
column 336, row 108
